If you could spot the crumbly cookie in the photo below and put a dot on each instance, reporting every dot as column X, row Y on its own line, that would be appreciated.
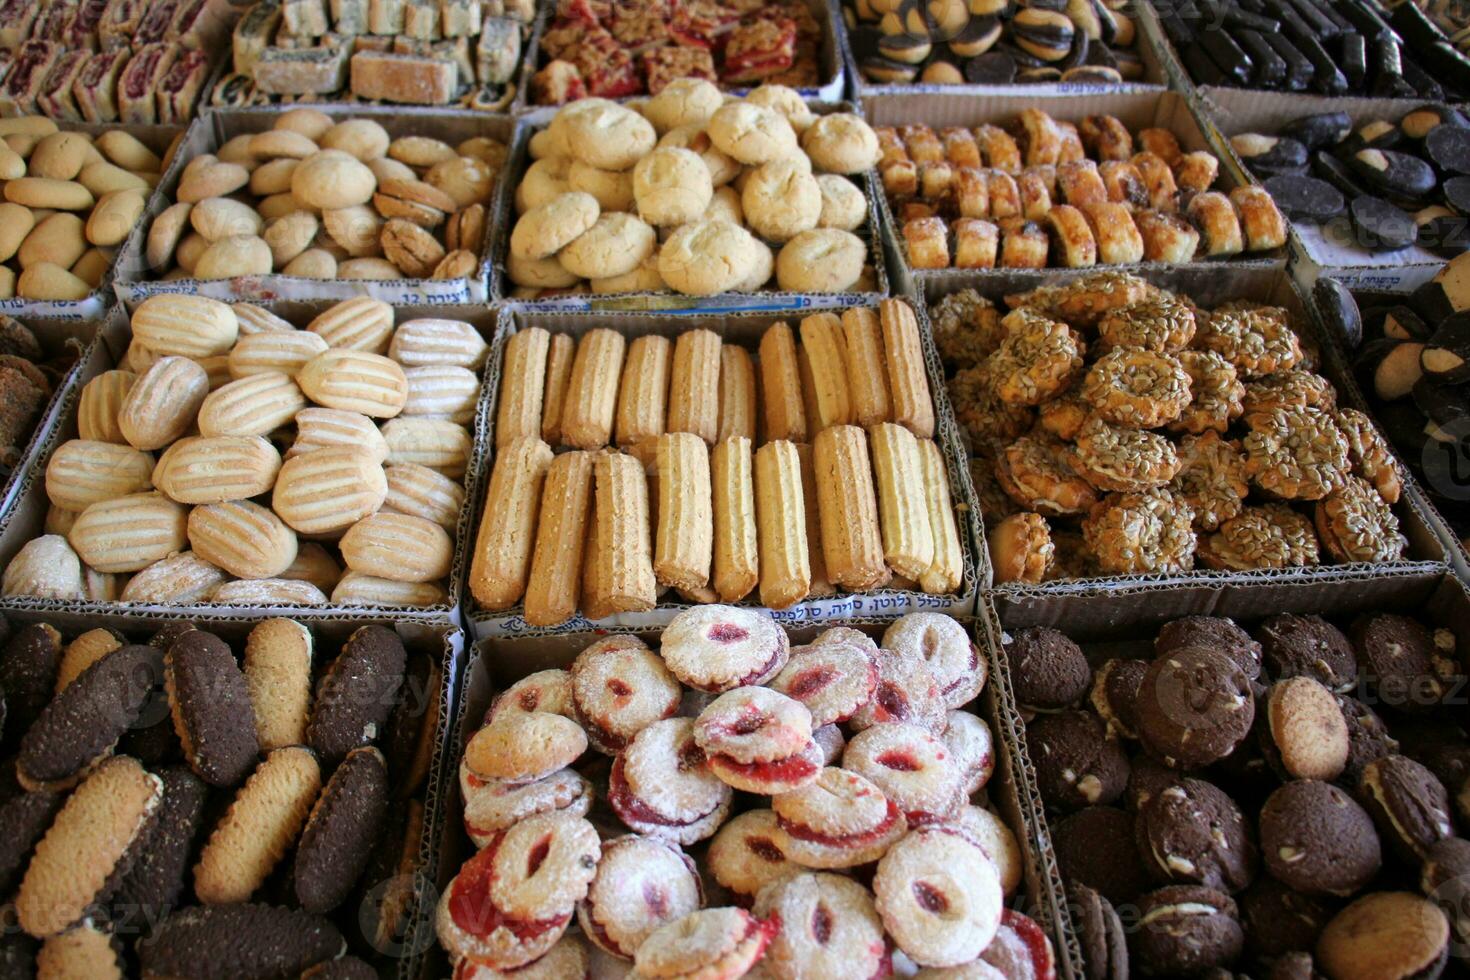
column 1161, row 323
column 1118, row 459
column 840, row 820
column 1370, row 454
column 1211, row 479
column 1293, row 388
column 1295, row 453
column 155, row 881
column 619, row 687
column 911, row 767
column 1138, row 388
column 1268, row 536
column 751, row 134
column 907, row 691
column 357, row 694
column 671, row 187
column 967, row 329
column 719, row 944
column 1356, row 524
column 1257, row 339
column 524, row 746
column 606, row 135
column 705, row 257
column 1036, row 474
column 1216, row 393
column 278, row 655
column 826, row 926
column 745, row 854
column 642, row 884
column 780, row 199
column 1084, row 302
column 545, row 230
column 1142, row 532
column 1038, row 359
column 210, row 703
column 986, row 417
column 1064, row 417
column 716, row 648
column 492, row 805
column 832, row 680
column 939, row 897
column 1021, row 548
column 841, row 143
column 615, row 245
column 662, row 785
column 821, row 260
column 683, row 102
column 843, row 204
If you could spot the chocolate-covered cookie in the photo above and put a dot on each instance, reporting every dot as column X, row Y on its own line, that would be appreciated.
column 1217, row 633
column 1280, row 920
column 252, row 940
column 1293, row 966
column 1368, row 737
column 1192, row 833
column 1305, row 735
column 343, row 829
column 28, row 676
column 17, row 955
column 1146, row 777
column 1386, row 934
column 154, row 883
column 1396, row 656
column 1094, row 846
column 409, row 747
column 1100, row 934
column 25, row 819
column 1077, row 763
column 1185, row 930
column 1194, row 707
column 389, row 878
column 357, row 694
column 1407, row 803
column 211, row 708
column 1316, row 839
column 1048, row 671
column 1308, row 646
column 1115, row 695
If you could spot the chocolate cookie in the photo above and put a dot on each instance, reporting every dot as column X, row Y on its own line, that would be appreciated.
column 1279, row 920
column 252, row 940
column 347, row 968
column 1146, row 777
column 1293, row 966
column 1308, row 646
column 410, row 742
column 1305, row 735
column 211, row 708
column 17, row 955
column 1194, row 707
column 1368, row 737
column 1396, row 656
column 390, row 875
column 153, row 885
column 1077, row 763
column 82, row 724
column 1186, row 929
column 1316, row 839
column 1100, row 934
column 342, row 831
column 25, row 819
column 165, row 637
column 1409, row 805
column 1445, row 879
column 1192, row 833
column 28, row 677
column 1217, row 633
column 1094, row 847
column 1115, row 695
column 1048, row 671
column 1386, row 934
column 357, row 694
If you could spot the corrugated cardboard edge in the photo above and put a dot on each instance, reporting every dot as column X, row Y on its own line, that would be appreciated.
column 1137, row 110
column 25, row 510
column 132, row 283
column 670, row 301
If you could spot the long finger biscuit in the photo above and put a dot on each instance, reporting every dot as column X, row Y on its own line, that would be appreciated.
column 781, row 385
column 694, row 385
column 625, row 578
column 253, row 406
column 329, row 490
column 903, row 516
column 357, row 589
column 732, row 485
column 277, row 668
column 808, row 390
column 592, row 390
column 355, row 381
column 102, row 399
column 867, row 374
column 737, row 394
column 851, row 541
column 683, row 547
column 555, row 585
column 558, row 373
column 908, row 380
column 821, row 584
column 821, row 338
column 210, row 470
column 945, row 573
column 502, row 558
column 522, row 383
column 781, row 525
column 644, row 394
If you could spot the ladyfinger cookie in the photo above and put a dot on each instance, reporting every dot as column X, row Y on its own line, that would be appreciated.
column 502, row 558
column 781, row 385
column 946, row 572
column 867, row 374
column 821, row 584
column 683, row 547
column 732, row 486
column 903, row 516
column 785, row 573
column 908, row 379
column 643, row 395
column 558, row 373
column 851, row 540
column 821, row 338
column 555, row 586
column 277, row 668
column 592, row 390
column 623, row 575
column 737, row 394
column 694, row 385
column 522, row 383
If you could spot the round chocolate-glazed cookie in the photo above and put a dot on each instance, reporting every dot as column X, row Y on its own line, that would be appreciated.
column 1218, row 633
column 1185, row 930
column 1077, row 763
column 1409, row 805
column 1099, row 932
column 1115, row 695
column 1396, row 656
column 1095, row 848
column 1279, row 920
column 1316, row 839
column 1194, row 707
column 1192, row 833
column 1308, row 646
column 1048, row 671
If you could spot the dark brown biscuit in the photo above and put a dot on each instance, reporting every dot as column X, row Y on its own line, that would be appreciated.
column 1194, row 707
column 1280, row 920
column 389, row 878
column 17, row 340
column 410, row 742
column 247, row 940
column 165, row 637
column 1409, row 805
column 25, row 819
column 1397, row 655
column 28, row 676
column 1308, row 646
column 1192, row 833
column 1095, row 848
column 17, row 955
column 342, row 831
column 357, row 694
column 347, row 968
column 1218, row 633
column 153, row 884
column 211, row 708
column 1077, row 763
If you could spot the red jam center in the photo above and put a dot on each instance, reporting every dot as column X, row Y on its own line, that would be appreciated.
column 727, row 633
column 892, row 701
column 530, row 700
column 793, row 767
column 765, row 849
column 619, row 688
column 900, row 760
column 1030, row 933
column 808, row 682
column 472, row 909
column 537, row 856
column 930, row 899
column 859, row 839
column 630, row 808
column 821, row 924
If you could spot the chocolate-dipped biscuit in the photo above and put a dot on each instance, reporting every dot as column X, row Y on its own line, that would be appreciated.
column 252, row 940
column 1194, row 707
column 1184, row 930
column 1192, row 833
column 1045, row 34
column 154, row 883
column 1368, row 737
column 1115, row 695
column 165, row 637
column 1099, row 932
column 1279, row 920
column 1077, row 763
column 357, row 694
column 410, row 742
column 211, row 708
column 28, row 676
column 342, row 831
column 1094, row 846
column 1308, row 646
column 1217, row 633
column 25, row 819
column 1048, row 671
column 1305, row 735
column 1396, row 654
column 1386, row 934
column 83, row 723
column 1408, row 804
column 1316, row 839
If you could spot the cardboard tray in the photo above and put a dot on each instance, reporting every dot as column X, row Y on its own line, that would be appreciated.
column 744, row 329
column 24, row 516
column 1210, row 286
column 832, row 66
column 493, row 664
column 668, row 301
column 1137, row 110
column 133, row 279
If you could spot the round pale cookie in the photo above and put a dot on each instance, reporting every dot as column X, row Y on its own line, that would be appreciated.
column 832, row 679
column 754, row 724
column 939, row 897
column 721, row 168
column 724, row 205
column 671, row 187
column 971, row 749
column 704, row 258
column 840, row 820
column 641, row 885
column 363, row 138
column 524, row 746
column 821, row 260
column 662, row 786
column 545, row 690
column 543, row 866
column 712, row 944
column 745, row 855
column 785, row 100
column 544, row 181
column 615, row 245
column 644, row 279
column 911, row 767
column 826, row 928
column 717, row 648
column 543, row 231
column 612, row 188
column 491, row 806
column 844, row 206
column 683, row 102
column 841, row 143
column 570, row 957
column 751, row 134
column 472, row 929
column 907, row 691
column 953, row 657
column 332, row 179
column 609, row 137
column 780, row 199
column 995, row 839
column 619, row 687
column 539, row 273
column 761, row 269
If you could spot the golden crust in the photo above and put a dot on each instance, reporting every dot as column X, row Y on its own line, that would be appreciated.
column 1160, row 323
column 1371, row 457
column 1021, row 549
column 1269, row 536
column 1211, row 479
column 995, row 504
column 1123, row 460
column 1295, row 453
column 1138, row 533
column 1138, row 388
column 1356, row 524
column 1038, row 359
column 1035, row 473
column 1064, row 417
column 1083, row 302
column 1216, row 393
column 1257, row 339
column 966, row 328
column 1291, row 388
column 977, row 407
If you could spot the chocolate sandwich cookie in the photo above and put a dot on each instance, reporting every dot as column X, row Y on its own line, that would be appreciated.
column 154, row 883
column 1185, row 930
column 28, row 676
column 1218, row 633
column 1396, row 655
column 341, row 832
column 1146, row 778
column 25, row 819
column 1095, row 847
column 165, row 637
column 211, row 708
column 1308, row 646
column 251, row 940
column 1385, row 934
column 1115, row 695
column 83, row 723
column 1077, row 763
column 1280, row 920
column 1194, row 707
column 1099, row 932
column 1409, row 805
column 357, row 694
column 1193, row 833
column 410, row 742
column 1316, row 839
column 1049, row 671
column 1305, row 735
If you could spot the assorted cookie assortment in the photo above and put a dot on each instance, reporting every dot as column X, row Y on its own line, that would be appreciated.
column 321, row 197
column 1046, row 193
column 230, row 451
column 692, row 193
column 700, row 810
column 628, row 470
column 1280, row 801
column 172, row 802
column 28, row 379
column 1120, row 429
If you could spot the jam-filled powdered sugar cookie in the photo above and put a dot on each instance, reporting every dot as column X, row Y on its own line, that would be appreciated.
column 746, row 855
column 759, row 740
column 952, row 656
column 619, row 687
column 939, row 897
column 840, row 820
column 907, row 691
column 912, row 768
column 711, row 944
column 662, row 785
column 642, row 883
column 492, row 805
column 716, row 648
column 833, row 679
column 826, row 929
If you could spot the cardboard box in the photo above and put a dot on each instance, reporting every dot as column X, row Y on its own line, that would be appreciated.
column 744, row 329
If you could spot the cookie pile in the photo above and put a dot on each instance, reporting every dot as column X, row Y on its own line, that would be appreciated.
column 1175, row 436
column 832, row 481
column 70, row 200
column 326, row 199
column 1237, row 797
column 843, row 754
column 28, row 378
column 993, row 42
column 611, row 50
column 170, row 801
column 352, row 433
column 692, row 193
column 1047, row 192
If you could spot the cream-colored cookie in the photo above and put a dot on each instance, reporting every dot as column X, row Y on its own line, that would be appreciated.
column 277, row 670
column 612, row 188
column 614, row 246
column 787, row 101
column 760, row 270
column 546, row 230
column 704, row 258
column 751, row 133
column 821, row 260
column 644, row 279
column 672, row 187
column 609, row 137
column 843, row 204
column 724, row 205
column 547, row 273
column 545, row 180
column 722, row 169
column 683, row 102
column 781, row 199
column 841, row 143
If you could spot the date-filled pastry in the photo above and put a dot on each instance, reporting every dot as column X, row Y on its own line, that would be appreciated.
column 1071, row 236
column 1005, row 196
column 927, row 243
column 1000, row 149
column 1043, row 139
column 923, row 145
column 1124, row 184
column 1219, row 228
column 1035, row 197
column 890, row 146
column 1107, row 138
column 913, row 210
column 971, row 193
column 1024, row 244
column 1072, row 149
column 1158, row 179
column 1166, row 236
column 1195, row 172
column 960, row 148
column 1117, row 237
column 976, row 243
column 1081, row 184
column 1161, row 143
column 1260, row 219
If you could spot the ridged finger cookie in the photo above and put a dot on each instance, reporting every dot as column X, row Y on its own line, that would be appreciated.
column 278, row 656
